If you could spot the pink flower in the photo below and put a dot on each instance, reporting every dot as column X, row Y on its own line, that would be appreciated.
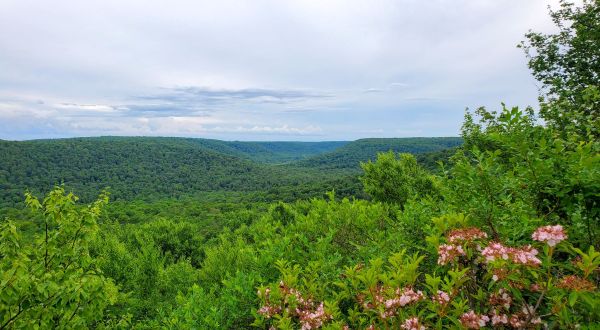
column 412, row 324
column 313, row 319
column 523, row 318
column 441, row 298
column 499, row 318
column 268, row 311
column 550, row 234
column 495, row 251
column 471, row 320
column 403, row 298
column 449, row 252
column 525, row 255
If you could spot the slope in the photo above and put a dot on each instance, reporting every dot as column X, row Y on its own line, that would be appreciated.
column 349, row 156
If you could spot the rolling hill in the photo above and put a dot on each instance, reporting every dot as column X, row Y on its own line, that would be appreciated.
column 151, row 168
column 349, row 156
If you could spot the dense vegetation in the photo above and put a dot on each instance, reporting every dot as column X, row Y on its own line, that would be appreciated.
column 157, row 168
column 351, row 155
column 504, row 235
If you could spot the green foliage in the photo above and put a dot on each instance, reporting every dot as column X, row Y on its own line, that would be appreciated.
column 151, row 263
column 497, row 286
column 326, row 235
column 274, row 152
column 349, row 156
column 528, row 174
column 152, row 169
column 195, row 242
column 396, row 179
column 567, row 65
column 566, row 62
column 52, row 281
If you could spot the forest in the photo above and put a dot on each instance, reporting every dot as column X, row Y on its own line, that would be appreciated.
column 498, row 228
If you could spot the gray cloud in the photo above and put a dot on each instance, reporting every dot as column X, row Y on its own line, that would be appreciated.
column 185, row 100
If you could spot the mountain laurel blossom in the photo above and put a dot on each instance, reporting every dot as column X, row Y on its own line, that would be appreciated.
column 308, row 316
column 403, row 298
column 525, row 255
column 441, row 298
column 552, row 235
column 471, row 320
column 313, row 319
column 498, row 319
column 448, row 253
column 495, row 251
column 524, row 318
column 412, row 324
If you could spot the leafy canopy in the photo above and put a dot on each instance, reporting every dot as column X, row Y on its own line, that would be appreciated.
column 52, row 281
column 396, row 178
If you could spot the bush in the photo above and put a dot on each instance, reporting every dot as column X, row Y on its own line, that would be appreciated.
column 53, row 282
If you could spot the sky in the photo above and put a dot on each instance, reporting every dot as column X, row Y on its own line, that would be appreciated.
column 260, row 70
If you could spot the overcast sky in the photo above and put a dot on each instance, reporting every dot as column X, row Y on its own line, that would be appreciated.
column 260, row 70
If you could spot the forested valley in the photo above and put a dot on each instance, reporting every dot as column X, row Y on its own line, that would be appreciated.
column 498, row 228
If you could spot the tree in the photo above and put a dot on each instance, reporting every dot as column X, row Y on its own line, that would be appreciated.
column 567, row 64
column 396, row 179
column 52, row 282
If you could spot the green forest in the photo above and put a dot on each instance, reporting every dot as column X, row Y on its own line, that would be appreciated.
column 498, row 228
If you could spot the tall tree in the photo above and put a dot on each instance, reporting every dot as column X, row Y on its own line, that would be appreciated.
column 567, row 63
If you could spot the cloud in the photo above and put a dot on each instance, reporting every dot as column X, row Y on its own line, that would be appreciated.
column 349, row 67
column 284, row 129
column 202, row 100
column 85, row 107
column 374, row 90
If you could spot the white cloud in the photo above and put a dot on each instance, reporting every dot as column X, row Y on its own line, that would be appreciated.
column 345, row 66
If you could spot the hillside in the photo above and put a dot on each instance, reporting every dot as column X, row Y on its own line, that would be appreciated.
column 271, row 151
column 349, row 156
column 151, row 168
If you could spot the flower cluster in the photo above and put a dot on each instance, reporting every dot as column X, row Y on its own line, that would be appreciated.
column 552, row 235
column 525, row 255
column 402, row 298
column 466, row 235
column 313, row 319
column 575, row 283
column 495, row 251
column 480, row 262
column 524, row 317
column 412, row 324
column 310, row 315
column 449, row 253
column 441, row 298
column 269, row 310
column 472, row 320
column 498, row 319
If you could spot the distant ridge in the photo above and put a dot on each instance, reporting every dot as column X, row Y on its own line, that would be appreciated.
column 165, row 167
column 350, row 155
